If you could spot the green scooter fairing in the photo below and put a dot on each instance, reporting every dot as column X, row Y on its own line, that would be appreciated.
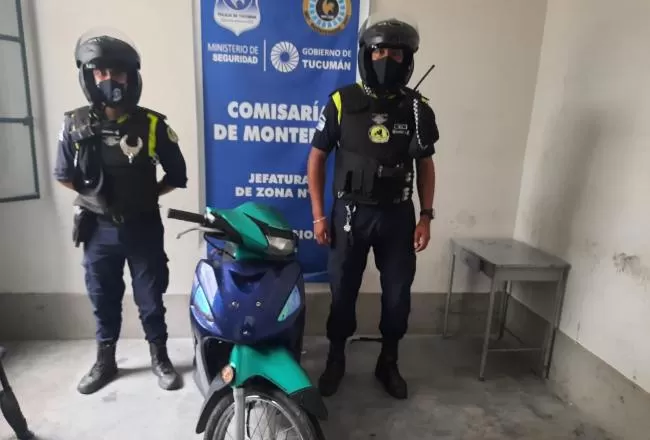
column 254, row 244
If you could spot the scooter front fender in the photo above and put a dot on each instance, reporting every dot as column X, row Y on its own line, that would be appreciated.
column 278, row 366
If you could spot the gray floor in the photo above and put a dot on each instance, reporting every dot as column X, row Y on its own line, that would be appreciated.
column 446, row 399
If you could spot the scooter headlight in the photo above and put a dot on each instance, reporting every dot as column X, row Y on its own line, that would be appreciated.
column 281, row 245
column 205, row 291
column 291, row 305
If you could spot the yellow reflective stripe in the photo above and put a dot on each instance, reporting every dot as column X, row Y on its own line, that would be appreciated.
column 336, row 97
column 122, row 118
column 153, row 124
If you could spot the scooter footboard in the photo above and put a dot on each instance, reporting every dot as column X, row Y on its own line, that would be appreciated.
column 274, row 364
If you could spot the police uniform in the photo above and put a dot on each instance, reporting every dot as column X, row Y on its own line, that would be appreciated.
column 112, row 165
column 377, row 140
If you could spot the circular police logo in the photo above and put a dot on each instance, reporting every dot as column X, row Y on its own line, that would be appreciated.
column 327, row 16
column 379, row 134
column 238, row 5
column 284, row 57
column 171, row 134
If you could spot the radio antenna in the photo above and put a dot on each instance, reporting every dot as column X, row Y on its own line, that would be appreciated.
column 423, row 77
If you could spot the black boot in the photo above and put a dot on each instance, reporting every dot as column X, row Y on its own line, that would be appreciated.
column 168, row 378
column 103, row 372
column 388, row 374
column 331, row 378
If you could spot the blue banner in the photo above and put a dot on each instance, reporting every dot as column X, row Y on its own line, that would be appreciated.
column 268, row 68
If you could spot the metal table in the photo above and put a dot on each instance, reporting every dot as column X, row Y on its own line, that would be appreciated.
column 504, row 261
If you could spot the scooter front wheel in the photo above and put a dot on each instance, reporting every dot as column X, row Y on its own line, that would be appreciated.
column 268, row 415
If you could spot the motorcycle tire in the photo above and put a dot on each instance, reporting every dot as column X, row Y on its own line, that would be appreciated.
column 307, row 425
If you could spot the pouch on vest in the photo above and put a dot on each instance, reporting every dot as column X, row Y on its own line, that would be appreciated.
column 83, row 126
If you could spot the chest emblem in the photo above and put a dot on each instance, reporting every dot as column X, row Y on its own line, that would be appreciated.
column 379, row 134
column 130, row 151
column 110, row 137
column 111, row 141
column 401, row 129
column 379, row 118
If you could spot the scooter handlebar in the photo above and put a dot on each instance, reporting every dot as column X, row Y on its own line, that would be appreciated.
column 186, row 216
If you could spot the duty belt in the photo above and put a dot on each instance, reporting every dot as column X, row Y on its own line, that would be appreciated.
column 119, row 219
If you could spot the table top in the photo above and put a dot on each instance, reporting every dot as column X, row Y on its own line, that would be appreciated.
column 509, row 253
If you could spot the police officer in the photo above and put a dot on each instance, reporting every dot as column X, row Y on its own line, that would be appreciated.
column 384, row 135
column 108, row 152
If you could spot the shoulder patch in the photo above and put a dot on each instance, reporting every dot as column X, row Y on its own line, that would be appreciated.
column 171, row 134
column 322, row 120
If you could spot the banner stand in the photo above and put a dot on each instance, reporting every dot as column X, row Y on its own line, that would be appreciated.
column 266, row 74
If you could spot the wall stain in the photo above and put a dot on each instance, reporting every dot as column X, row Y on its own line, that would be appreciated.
column 631, row 265
column 466, row 219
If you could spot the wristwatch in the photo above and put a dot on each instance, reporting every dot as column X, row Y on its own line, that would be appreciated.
column 431, row 213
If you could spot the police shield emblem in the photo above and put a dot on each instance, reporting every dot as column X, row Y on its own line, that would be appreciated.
column 237, row 16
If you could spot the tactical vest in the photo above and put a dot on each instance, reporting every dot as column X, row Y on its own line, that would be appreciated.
column 372, row 162
column 127, row 186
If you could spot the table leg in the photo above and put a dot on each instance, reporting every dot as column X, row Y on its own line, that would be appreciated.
column 448, row 298
column 488, row 327
column 504, row 308
column 554, row 324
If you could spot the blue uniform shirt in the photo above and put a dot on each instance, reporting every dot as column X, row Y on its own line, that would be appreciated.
column 169, row 155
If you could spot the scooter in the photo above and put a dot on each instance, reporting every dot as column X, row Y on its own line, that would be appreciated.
column 247, row 313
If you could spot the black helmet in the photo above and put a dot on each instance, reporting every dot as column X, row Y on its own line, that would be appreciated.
column 103, row 49
column 387, row 32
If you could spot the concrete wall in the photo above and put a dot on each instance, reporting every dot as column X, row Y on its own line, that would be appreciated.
column 585, row 180
column 482, row 89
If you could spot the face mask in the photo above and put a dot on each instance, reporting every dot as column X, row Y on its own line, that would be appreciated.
column 112, row 90
column 388, row 72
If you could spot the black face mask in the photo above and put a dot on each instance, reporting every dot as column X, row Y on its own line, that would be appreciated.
column 113, row 91
column 388, row 72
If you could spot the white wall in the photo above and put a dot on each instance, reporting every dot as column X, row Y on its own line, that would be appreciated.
column 486, row 56
column 585, row 186
column 482, row 89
